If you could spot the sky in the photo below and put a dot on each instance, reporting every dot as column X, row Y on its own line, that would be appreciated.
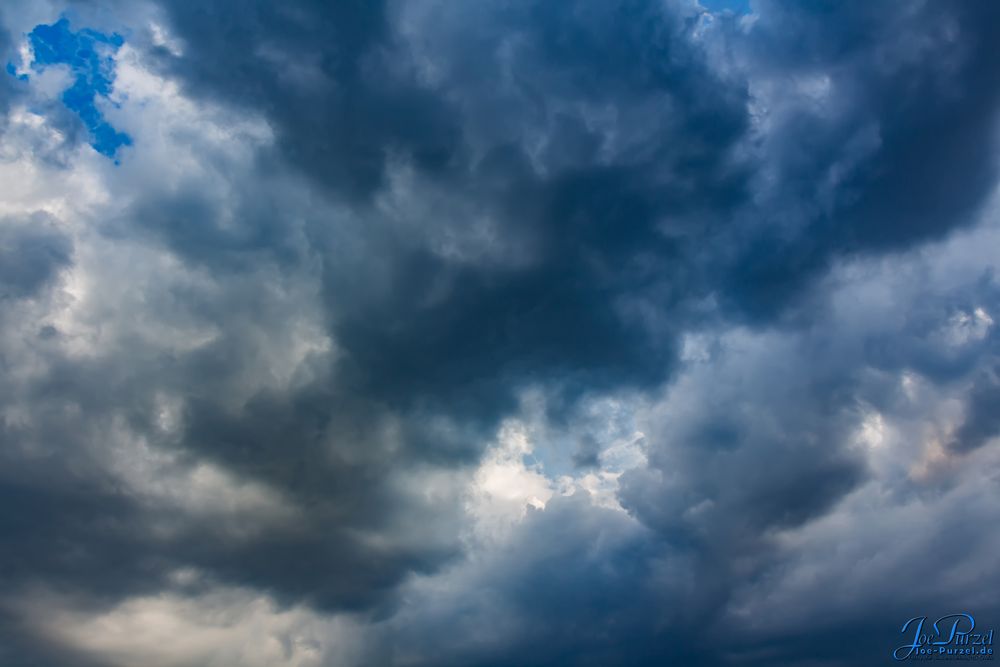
column 496, row 333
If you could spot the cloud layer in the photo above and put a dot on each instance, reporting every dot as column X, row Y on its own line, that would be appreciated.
column 495, row 333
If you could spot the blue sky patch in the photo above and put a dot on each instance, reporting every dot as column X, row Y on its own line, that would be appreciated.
column 13, row 72
column 88, row 54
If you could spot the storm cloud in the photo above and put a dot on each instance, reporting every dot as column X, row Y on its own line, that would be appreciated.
column 496, row 333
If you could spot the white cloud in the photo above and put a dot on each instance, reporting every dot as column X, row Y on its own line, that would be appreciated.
column 216, row 627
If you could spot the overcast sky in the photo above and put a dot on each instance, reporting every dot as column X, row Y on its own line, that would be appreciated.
column 495, row 333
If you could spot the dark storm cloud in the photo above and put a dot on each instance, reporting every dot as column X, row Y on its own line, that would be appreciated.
column 528, row 586
column 71, row 531
column 757, row 442
column 428, row 338
column 900, row 149
column 436, row 346
column 312, row 67
column 982, row 421
column 491, row 198
column 32, row 252
column 116, row 543
column 320, row 448
column 419, row 324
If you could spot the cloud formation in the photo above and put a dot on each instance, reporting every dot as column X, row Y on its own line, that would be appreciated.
column 495, row 333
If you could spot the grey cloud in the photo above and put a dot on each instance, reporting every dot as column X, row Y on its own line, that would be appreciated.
column 982, row 422
column 465, row 202
column 32, row 251
column 888, row 139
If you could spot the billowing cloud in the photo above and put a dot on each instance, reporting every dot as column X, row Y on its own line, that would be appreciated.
column 495, row 333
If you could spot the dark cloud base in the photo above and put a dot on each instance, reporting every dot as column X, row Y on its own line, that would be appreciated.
column 503, row 198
